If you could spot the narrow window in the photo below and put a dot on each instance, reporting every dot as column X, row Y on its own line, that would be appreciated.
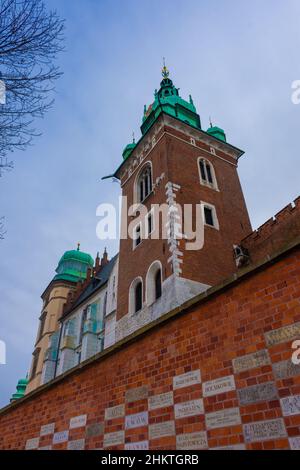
column 141, row 190
column 208, row 214
column 150, row 223
column 138, row 297
column 144, row 184
column 202, row 170
column 209, row 175
column 137, row 236
column 42, row 325
column 158, row 284
column 36, row 355
column 83, row 320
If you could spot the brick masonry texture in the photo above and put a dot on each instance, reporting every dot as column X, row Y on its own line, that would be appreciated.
column 231, row 322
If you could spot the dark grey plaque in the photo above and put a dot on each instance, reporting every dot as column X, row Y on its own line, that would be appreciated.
column 257, row 393
column 285, row 369
column 135, row 394
column 94, row 430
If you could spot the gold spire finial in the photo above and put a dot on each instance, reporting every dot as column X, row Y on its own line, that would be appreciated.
column 210, row 122
column 78, row 246
column 165, row 72
column 133, row 138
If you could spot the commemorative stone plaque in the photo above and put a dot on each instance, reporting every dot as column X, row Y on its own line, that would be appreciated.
column 114, row 439
column 220, row 385
column 78, row 444
column 32, row 443
column 257, row 393
column 281, row 335
column 160, row 401
column 94, row 430
column 290, row 405
column 136, row 420
column 142, row 445
column 135, row 394
column 294, row 443
column 161, row 429
column 185, row 380
column 45, row 448
column 264, row 430
column 78, row 421
column 60, row 437
column 223, row 418
column 47, row 429
column 285, row 369
column 192, row 441
column 189, row 408
column 115, row 412
column 250, row 361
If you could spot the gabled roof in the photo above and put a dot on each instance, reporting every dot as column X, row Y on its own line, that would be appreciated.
column 94, row 285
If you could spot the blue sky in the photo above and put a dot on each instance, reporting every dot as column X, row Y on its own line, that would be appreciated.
column 237, row 59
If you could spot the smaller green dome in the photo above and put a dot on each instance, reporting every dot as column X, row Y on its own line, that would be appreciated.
column 73, row 265
column 128, row 149
column 21, row 389
column 217, row 132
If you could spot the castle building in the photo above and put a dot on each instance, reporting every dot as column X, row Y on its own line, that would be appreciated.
column 174, row 164
column 195, row 304
column 72, row 268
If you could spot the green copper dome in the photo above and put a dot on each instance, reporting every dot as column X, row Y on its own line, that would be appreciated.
column 73, row 265
column 21, row 388
column 167, row 100
column 217, row 132
column 128, row 149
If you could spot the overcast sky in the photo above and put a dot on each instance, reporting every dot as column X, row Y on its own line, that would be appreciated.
column 237, row 59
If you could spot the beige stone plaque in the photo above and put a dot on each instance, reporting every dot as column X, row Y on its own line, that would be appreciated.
column 78, row 444
column 250, row 361
column 164, row 429
column 32, row 443
column 192, row 441
column 78, row 421
column 217, row 386
column 115, row 412
column 223, row 418
column 160, row 401
column 189, row 408
column 114, row 439
column 282, row 335
column 185, row 380
column 47, row 429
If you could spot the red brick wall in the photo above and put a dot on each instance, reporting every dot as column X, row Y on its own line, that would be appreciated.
column 274, row 234
column 208, row 336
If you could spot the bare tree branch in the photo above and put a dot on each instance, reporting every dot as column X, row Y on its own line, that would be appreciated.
column 30, row 39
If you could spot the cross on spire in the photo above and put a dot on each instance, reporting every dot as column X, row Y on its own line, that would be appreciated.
column 165, row 72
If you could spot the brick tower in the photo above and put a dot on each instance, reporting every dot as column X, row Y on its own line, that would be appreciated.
column 175, row 163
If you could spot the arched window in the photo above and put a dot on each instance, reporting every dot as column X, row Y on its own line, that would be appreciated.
column 154, row 283
column 144, row 183
column 138, row 293
column 207, row 173
column 158, row 284
column 136, row 296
